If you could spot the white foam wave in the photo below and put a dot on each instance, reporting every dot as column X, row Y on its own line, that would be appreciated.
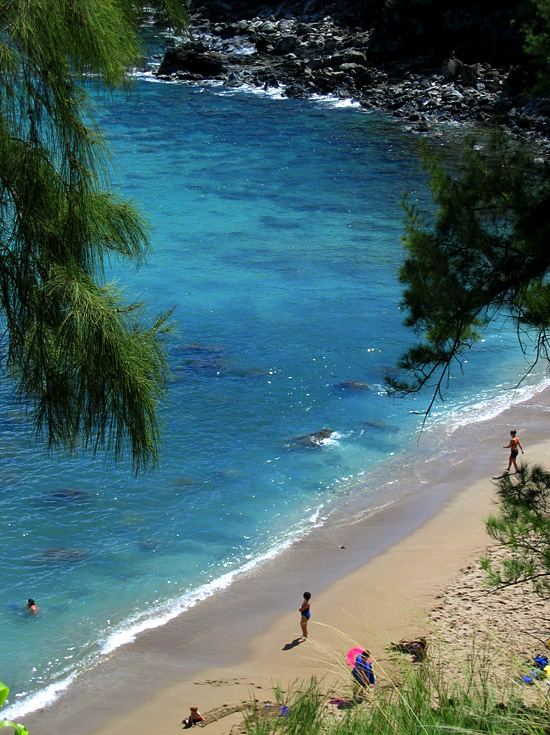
column 333, row 101
column 38, row 700
column 132, row 627
column 487, row 407
column 156, row 617
column 326, row 100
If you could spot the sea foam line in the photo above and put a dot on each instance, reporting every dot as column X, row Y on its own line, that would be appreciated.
column 127, row 631
column 328, row 100
column 482, row 410
column 488, row 407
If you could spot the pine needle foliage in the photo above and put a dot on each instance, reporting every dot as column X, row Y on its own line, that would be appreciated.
column 482, row 256
column 89, row 367
column 535, row 17
column 522, row 528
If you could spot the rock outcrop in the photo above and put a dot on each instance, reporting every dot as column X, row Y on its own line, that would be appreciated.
column 303, row 57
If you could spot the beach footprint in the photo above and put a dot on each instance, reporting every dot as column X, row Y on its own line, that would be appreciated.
column 221, row 682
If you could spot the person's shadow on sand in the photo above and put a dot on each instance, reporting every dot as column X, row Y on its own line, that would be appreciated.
column 295, row 642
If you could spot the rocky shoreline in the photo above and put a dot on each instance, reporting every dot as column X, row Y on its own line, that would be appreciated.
column 320, row 57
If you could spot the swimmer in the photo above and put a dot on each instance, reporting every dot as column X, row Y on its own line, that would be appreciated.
column 31, row 606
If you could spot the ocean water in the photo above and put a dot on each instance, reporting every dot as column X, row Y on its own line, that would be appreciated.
column 276, row 235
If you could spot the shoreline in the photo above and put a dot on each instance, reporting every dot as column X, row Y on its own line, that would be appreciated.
column 243, row 638
column 304, row 56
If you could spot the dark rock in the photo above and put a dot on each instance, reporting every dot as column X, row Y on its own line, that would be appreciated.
column 262, row 44
column 207, row 64
column 450, row 69
column 318, row 63
column 517, row 82
column 60, row 555
column 469, row 75
column 355, row 57
column 365, row 78
column 307, row 51
column 310, row 441
column 286, row 45
column 66, row 495
column 353, row 385
column 295, row 91
column 303, row 30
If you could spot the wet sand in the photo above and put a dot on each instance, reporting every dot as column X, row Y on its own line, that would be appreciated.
column 374, row 578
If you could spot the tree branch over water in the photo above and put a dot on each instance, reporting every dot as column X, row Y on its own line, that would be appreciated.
column 89, row 367
column 482, row 257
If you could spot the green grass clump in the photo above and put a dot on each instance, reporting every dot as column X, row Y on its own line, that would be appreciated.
column 426, row 703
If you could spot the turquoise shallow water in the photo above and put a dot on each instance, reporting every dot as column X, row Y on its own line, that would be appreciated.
column 276, row 234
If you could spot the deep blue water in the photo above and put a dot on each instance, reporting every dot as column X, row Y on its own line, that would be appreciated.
column 276, row 234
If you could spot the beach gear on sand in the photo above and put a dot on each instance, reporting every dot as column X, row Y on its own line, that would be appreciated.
column 353, row 653
column 541, row 670
column 418, row 648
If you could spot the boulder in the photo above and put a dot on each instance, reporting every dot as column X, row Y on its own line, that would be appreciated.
column 353, row 70
column 469, row 75
column 353, row 385
column 205, row 64
column 355, row 57
column 262, row 43
column 365, row 78
column 310, row 441
column 295, row 91
column 450, row 69
column 286, row 45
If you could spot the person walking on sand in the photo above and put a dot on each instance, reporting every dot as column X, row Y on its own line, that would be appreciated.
column 305, row 613
column 513, row 447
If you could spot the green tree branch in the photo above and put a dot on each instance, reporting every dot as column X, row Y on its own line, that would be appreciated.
column 89, row 367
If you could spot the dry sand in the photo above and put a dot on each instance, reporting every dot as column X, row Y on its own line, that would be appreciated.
column 230, row 650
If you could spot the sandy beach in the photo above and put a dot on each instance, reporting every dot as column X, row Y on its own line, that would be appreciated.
column 408, row 570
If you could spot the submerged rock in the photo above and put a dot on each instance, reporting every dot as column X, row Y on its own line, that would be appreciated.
column 69, row 494
column 148, row 545
column 209, row 360
column 60, row 555
column 381, row 425
column 313, row 440
column 353, row 386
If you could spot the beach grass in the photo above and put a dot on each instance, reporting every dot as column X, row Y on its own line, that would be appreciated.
column 422, row 700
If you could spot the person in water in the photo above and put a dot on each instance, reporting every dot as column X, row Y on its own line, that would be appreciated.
column 195, row 718
column 305, row 613
column 362, row 671
column 31, row 606
column 513, row 445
